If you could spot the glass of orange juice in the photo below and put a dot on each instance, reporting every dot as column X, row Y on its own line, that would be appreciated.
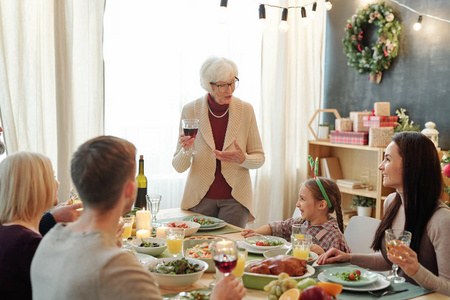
column 300, row 248
column 127, row 225
column 174, row 238
column 240, row 266
column 298, row 231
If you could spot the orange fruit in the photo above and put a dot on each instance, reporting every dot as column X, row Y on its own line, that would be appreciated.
column 332, row 289
column 291, row 294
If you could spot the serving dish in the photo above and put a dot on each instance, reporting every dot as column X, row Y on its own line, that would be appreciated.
column 190, row 243
column 154, row 251
column 192, row 227
column 380, row 284
column 259, row 281
column 180, row 281
column 366, row 277
column 275, row 252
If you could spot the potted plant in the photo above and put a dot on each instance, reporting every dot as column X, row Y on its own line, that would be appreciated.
column 364, row 205
column 323, row 131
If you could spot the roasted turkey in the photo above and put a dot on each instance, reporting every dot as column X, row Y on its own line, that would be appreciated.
column 281, row 263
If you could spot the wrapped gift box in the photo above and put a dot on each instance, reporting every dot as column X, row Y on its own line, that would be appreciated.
column 343, row 124
column 358, row 122
column 380, row 136
column 382, row 108
column 380, row 121
column 349, row 137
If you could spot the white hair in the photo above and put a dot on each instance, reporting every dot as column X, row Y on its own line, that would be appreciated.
column 216, row 69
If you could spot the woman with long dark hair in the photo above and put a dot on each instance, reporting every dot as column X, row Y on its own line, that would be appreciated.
column 411, row 165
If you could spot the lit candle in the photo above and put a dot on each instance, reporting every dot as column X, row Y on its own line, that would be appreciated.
column 143, row 220
column 161, row 232
column 143, row 233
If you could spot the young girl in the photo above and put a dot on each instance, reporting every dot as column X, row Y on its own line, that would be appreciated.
column 326, row 231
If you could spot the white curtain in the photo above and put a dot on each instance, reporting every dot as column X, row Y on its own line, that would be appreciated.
column 291, row 93
column 153, row 54
column 51, row 77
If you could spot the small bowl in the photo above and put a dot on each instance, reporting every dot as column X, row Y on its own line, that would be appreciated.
column 181, row 281
column 154, row 251
column 190, row 243
column 193, row 227
column 250, row 242
column 275, row 252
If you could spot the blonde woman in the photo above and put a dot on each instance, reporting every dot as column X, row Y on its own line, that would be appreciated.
column 28, row 188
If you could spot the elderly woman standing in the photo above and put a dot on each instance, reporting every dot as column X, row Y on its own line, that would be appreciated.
column 28, row 188
column 227, row 144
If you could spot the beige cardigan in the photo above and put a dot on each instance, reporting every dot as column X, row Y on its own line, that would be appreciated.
column 242, row 127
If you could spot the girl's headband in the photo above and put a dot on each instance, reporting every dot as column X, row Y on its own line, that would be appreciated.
column 314, row 169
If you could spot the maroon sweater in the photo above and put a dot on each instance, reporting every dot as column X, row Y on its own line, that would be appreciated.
column 219, row 189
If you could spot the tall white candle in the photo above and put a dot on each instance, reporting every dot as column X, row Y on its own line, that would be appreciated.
column 143, row 220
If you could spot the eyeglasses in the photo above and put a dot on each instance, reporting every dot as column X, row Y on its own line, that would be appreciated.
column 224, row 87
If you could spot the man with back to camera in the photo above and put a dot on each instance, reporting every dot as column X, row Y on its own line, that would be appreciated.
column 81, row 260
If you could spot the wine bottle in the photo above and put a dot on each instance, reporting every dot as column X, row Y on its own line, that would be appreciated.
column 141, row 202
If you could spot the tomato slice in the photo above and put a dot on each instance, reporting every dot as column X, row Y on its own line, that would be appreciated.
column 352, row 277
column 358, row 272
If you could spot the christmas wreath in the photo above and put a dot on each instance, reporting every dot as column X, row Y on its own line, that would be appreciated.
column 377, row 57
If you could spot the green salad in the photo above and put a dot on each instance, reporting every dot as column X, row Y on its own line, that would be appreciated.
column 203, row 221
column 352, row 275
column 266, row 243
column 176, row 267
column 149, row 244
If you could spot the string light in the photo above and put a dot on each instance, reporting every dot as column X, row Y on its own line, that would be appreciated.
column 313, row 10
column 284, row 26
column 262, row 12
column 418, row 25
column 223, row 14
column 304, row 20
column 328, row 5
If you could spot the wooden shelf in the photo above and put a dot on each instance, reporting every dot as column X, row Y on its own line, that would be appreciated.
column 354, row 159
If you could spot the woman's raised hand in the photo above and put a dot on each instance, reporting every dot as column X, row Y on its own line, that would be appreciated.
column 333, row 255
column 234, row 156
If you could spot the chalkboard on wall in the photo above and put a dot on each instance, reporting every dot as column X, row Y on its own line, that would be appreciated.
column 417, row 80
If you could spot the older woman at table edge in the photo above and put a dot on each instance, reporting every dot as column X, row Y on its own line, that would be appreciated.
column 228, row 144
column 411, row 165
column 28, row 188
column 85, row 252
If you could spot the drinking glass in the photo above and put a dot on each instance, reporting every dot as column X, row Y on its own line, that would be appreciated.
column 240, row 266
column 298, row 231
column 127, row 225
column 190, row 128
column 394, row 238
column 301, row 248
column 153, row 201
column 174, row 238
column 225, row 255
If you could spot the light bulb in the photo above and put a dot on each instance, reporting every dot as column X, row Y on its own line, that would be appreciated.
column 313, row 11
column 304, row 20
column 417, row 26
column 328, row 5
column 223, row 15
column 284, row 26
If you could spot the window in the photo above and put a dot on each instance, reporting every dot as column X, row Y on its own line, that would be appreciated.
column 153, row 53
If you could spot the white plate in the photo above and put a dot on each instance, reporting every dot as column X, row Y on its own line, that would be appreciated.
column 309, row 271
column 269, row 238
column 244, row 245
column 366, row 277
column 217, row 226
column 380, row 284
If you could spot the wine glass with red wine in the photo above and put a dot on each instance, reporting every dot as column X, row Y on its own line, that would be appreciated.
column 225, row 255
column 190, row 128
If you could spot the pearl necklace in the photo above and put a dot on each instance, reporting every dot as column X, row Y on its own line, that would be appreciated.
column 209, row 108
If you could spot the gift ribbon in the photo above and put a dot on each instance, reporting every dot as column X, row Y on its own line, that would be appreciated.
column 314, row 169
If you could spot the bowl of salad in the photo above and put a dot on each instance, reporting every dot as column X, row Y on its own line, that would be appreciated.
column 200, row 249
column 150, row 246
column 189, row 227
column 265, row 242
column 176, row 273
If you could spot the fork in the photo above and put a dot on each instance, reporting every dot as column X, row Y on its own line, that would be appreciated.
column 385, row 293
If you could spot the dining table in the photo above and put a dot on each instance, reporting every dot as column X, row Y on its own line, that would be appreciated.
column 234, row 233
